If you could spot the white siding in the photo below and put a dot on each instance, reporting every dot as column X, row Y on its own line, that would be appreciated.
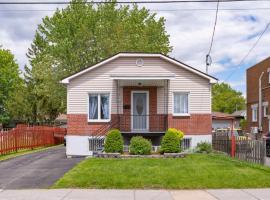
column 99, row 80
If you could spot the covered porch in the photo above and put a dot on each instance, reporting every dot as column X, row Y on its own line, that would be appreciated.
column 142, row 106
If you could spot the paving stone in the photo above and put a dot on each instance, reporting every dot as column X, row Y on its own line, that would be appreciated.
column 231, row 194
column 152, row 194
column 100, row 195
column 34, row 194
column 263, row 194
column 192, row 195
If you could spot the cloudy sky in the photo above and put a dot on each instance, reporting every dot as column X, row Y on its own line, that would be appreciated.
column 190, row 27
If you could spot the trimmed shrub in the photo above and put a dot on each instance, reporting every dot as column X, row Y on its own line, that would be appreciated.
column 204, row 147
column 114, row 142
column 177, row 132
column 140, row 146
column 170, row 143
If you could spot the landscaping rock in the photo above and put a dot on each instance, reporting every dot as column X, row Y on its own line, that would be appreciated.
column 174, row 155
column 108, row 155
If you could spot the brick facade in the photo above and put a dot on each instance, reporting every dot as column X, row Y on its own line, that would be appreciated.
column 253, row 75
column 195, row 124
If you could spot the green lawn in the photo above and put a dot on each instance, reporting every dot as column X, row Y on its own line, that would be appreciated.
column 194, row 171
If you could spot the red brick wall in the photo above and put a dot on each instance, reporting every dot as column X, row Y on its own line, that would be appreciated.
column 77, row 124
column 253, row 75
column 195, row 124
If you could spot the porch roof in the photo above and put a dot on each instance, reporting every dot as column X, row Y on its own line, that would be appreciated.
column 143, row 77
column 142, row 80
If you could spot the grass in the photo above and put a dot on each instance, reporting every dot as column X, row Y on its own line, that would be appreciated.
column 197, row 171
column 22, row 152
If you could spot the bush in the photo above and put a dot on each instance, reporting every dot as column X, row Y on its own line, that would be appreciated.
column 204, row 147
column 170, row 142
column 140, row 146
column 177, row 132
column 114, row 142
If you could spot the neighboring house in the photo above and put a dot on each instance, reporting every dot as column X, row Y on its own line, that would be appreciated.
column 238, row 116
column 258, row 97
column 140, row 94
column 222, row 120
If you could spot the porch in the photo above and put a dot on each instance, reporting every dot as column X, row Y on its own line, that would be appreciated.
column 142, row 106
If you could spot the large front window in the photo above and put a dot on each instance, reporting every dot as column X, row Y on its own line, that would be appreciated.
column 180, row 103
column 99, row 107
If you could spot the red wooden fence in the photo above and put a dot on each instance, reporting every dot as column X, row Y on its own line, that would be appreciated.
column 24, row 137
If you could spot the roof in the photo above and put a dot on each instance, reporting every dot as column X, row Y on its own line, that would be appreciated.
column 239, row 113
column 220, row 116
column 158, row 55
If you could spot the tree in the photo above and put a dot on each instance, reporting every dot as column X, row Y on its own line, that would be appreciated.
column 226, row 99
column 10, row 81
column 81, row 35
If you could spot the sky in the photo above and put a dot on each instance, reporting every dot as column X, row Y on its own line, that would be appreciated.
column 190, row 26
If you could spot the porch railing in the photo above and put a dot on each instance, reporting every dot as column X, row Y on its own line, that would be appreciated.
column 148, row 123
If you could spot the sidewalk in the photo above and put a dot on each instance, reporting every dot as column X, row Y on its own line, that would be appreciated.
column 78, row 194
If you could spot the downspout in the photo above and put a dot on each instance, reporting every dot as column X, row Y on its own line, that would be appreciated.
column 260, row 101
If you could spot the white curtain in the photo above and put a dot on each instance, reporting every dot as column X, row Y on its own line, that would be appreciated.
column 93, row 105
column 180, row 103
column 104, row 106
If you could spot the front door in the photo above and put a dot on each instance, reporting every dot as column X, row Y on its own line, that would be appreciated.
column 139, row 110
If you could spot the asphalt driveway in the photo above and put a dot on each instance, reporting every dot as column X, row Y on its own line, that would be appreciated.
column 35, row 170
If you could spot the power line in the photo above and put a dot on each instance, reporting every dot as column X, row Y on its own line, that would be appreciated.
column 152, row 10
column 121, row 2
column 250, row 50
column 208, row 58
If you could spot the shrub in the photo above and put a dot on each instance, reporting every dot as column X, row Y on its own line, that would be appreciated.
column 140, row 146
column 170, row 142
column 204, row 147
column 114, row 142
column 177, row 132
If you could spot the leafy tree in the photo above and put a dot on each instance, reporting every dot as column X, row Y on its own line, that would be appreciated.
column 226, row 99
column 10, row 81
column 83, row 34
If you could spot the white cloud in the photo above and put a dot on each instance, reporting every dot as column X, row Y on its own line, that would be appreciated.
column 190, row 33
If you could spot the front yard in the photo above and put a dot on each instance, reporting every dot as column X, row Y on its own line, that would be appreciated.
column 193, row 172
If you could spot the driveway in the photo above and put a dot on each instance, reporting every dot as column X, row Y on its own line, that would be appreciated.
column 35, row 170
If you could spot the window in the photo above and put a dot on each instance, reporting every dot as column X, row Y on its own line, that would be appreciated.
column 254, row 113
column 99, row 107
column 180, row 104
column 265, row 110
column 268, row 70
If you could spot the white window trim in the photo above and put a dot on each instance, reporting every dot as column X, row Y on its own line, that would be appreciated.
column 254, row 107
column 268, row 70
column 181, row 114
column 99, row 120
column 264, row 110
column 147, row 108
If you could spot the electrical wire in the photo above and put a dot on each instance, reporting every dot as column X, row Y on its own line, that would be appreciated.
column 121, row 2
column 214, row 30
column 250, row 50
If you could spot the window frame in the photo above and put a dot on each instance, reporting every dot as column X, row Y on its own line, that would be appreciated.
column 99, row 109
column 188, row 109
column 253, row 108
column 265, row 108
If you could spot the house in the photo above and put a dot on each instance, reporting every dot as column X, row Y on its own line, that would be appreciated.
column 238, row 116
column 222, row 121
column 140, row 94
column 258, row 97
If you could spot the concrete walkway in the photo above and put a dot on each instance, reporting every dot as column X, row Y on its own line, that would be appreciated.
column 77, row 194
